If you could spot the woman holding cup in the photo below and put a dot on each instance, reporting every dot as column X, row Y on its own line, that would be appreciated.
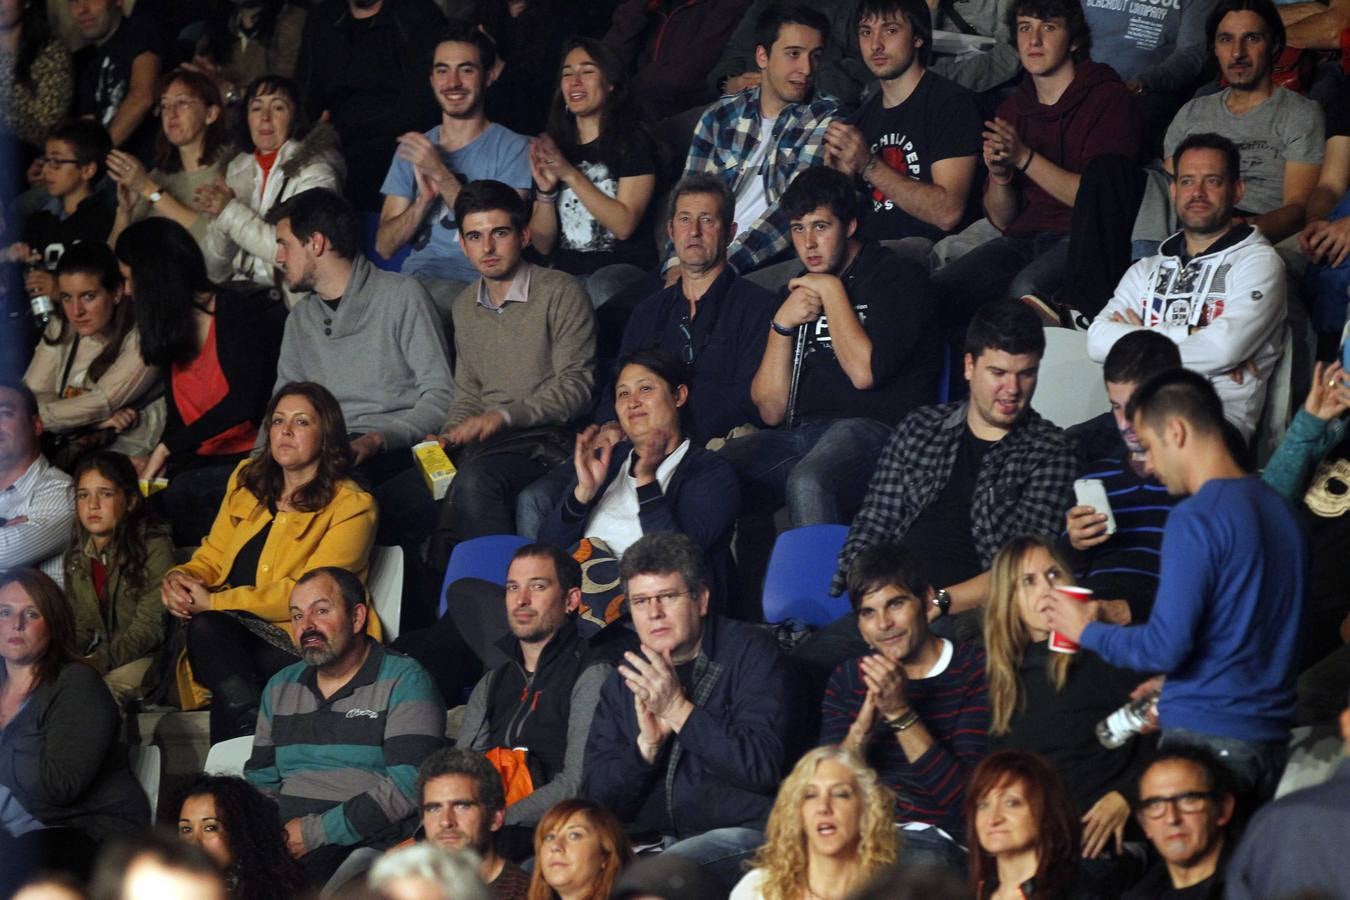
column 1049, row 700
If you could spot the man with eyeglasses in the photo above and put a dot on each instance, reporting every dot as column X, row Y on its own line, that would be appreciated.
column 687, row 745
column 1186, row 810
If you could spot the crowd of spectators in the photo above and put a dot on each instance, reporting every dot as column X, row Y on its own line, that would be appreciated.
column 663, row 279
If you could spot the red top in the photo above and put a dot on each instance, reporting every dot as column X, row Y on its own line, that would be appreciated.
column 265, row 160
column 197, row 387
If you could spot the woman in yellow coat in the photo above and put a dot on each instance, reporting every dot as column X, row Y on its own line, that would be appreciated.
column 290, row 509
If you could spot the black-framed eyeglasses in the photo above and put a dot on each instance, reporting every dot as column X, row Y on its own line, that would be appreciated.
column 54, row 161
column 1187, row 802
column 663, row 599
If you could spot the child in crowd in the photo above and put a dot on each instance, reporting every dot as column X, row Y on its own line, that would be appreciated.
column 115, row 562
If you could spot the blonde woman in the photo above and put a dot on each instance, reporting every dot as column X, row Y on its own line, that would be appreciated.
column 831, row 829
column 1050, row 703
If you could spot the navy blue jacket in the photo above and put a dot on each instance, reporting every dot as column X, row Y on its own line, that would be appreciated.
column 722, row 769
column 727, row 338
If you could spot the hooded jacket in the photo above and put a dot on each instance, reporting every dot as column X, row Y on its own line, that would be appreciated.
column 1232, row 295
column 239, row 245
column 1095, row 115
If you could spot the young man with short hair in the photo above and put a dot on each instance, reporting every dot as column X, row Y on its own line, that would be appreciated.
column 1124, row 565
column 688, row 739
column 1280, row 134
column 759, row 139
column 542, row 699
column 1067, row 111
column 1225, row 628
column 429, row 170
column 462, row 804
column 915, row 142
column 382, row 716
column 1216, row 288
column 116, row 72
column 916, row 707
column 847, row 357
column 1185, row 808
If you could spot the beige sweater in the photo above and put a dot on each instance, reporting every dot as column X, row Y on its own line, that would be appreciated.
column 534, row 360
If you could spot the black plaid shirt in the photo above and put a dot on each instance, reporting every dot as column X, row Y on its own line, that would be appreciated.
column 1023, row 486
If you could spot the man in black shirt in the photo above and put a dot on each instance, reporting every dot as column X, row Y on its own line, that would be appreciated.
column 115, row 73
column 916, row 140
column 850, row 351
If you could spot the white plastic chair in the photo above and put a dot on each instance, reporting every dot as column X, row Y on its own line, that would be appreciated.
column 1069, row 388
column 147, row 766
column 385, row 584
column 228, row 757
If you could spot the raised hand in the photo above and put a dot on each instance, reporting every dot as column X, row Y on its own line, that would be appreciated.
column 592, row 463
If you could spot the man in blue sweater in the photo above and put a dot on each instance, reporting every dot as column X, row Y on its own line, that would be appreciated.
column 1225, row 623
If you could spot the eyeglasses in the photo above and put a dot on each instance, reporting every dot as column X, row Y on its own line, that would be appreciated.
column 1188, row 802
column 178, row 105
column 51, row 162
column 663, row 599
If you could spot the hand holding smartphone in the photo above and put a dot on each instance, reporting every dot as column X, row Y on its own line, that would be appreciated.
column 1092, row 492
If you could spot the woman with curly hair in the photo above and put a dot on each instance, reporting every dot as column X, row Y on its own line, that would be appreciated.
column 238, row 828
column 830, row 830
column 1022, row 830
column 579, row 848
column 1050, row 703
column 290, row 509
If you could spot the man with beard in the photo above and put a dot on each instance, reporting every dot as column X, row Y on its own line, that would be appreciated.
column 429, row 170
column 1280, row 134
column 916, row 140
column 1216, row 288
column 542, row 699
column 341, row 734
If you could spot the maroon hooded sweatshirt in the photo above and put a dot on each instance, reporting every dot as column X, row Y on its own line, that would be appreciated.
column 1096, row 114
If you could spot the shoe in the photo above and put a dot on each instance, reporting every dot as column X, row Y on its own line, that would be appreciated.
column 1046, row 311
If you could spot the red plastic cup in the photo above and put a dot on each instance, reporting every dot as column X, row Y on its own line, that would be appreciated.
column 1058, row 642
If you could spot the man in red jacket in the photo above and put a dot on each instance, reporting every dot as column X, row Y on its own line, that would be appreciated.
column 1066, row 111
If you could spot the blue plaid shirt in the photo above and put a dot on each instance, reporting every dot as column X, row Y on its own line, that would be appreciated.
column 726, row 136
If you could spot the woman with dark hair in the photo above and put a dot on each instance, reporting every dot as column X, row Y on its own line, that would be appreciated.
column 1022, row 830
column 290, row 509
column 116, row 559
column 37, row 80
column 65, row 785
column 594, row 174
column 282, row 156
column 92, row 385
column 238, row 828
column 579, row 848
column 219, row 349
column 192, row 149
column 1050, row 703
column 656, row 478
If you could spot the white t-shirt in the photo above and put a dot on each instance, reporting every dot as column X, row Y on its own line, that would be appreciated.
column 615, row 517
column 750, row 200
column 750, row 887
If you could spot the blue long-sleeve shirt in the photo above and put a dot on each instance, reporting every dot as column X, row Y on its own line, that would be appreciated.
column 1225, row 625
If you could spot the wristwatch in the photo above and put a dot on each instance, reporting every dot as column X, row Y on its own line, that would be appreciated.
column 943, row 601
column 154, row 196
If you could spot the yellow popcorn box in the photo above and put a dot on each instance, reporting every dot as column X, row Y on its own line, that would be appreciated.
column 437, row 469
column 153, row 485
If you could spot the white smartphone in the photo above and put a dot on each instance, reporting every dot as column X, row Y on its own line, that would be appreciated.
column 1091, row 492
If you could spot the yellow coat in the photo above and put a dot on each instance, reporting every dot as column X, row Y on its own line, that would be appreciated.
column 340, row 534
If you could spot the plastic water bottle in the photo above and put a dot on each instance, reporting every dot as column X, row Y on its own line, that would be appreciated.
column 1118, row 728
column 42, row 307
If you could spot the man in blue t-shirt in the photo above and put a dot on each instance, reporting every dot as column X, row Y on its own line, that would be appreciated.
column 429, row 170
column 1225, row 625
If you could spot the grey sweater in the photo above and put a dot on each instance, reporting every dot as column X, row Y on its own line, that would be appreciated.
column 534, row 360
column 381, row 353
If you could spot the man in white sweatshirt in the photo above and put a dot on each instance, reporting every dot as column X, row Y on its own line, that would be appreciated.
column 1216, row 288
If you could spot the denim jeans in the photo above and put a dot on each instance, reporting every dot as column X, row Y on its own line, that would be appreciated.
column 1254, row 766
column 1004, row 267
column 819, row 469
column 607, row 281
column 720, row 852
column 931, row 848
column 536, row 503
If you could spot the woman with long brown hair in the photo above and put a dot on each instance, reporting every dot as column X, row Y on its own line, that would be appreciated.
column 290, row 509
column 831, row 829
column 1050, row 703
column 579, row 848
